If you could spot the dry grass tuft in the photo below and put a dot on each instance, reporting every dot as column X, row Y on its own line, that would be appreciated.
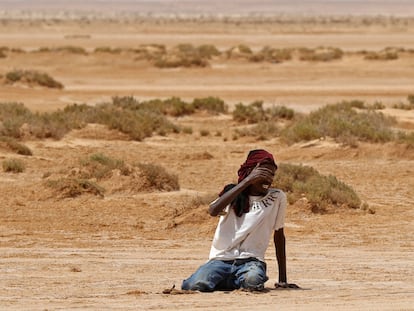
column 321, row 193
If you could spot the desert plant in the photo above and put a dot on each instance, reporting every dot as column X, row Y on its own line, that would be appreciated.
column 255, row 113
column 406, row 138
column 204, row 132
column 323, row 54
column 272, row 55
column 16, row 146
column 99, row 166
column 32, row 77
column 156, row 177
column 207, row 51
column 341, row 121
column 13, row 166
column 107, row 49
column 320, row 191
column 71, row 49
column 410, row 99
column 383, row 55
column 73, row 187
column 210, row 104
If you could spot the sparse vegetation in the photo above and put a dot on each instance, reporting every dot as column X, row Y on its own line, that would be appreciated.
column 107, row 49
column 15, row 146
column 211, row 104
column 320, row 192
column 255, row 113
column 13, row 166
column 321, row 54
column 32, row 77
column 382, row 55
column 100, row 166
column 341, row 121
column 158, row 178
column 72, row 187
column 406, row 106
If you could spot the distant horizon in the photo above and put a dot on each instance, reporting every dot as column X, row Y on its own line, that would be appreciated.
column 398, row 8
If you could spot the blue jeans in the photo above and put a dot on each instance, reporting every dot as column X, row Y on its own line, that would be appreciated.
column 247, row 273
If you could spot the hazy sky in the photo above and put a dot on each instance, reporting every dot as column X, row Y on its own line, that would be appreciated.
column 223, row 7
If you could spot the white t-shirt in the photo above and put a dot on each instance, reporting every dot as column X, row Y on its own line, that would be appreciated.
column 248, row 235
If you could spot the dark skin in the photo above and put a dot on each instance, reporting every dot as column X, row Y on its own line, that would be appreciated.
column 257, row 183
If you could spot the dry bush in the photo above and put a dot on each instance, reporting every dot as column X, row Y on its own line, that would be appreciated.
column 321, row 192
column 208, row 51
column 15, row 146
column 320, row 54
column 99, row 173
column 341, row 122
column 63, row 49
column 72, row 187
column 13, row 166
column 272, row 55
column 157, row 178
column 108, row 50
column 382, row 55
column 101, row 166
column 32, row 77
column 404, row 106
column 241, row 51
column 211, row 104
column 255, row 113
column 262, row 131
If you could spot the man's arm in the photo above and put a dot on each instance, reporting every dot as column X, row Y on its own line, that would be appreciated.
column 280, row 246
column 256, row 175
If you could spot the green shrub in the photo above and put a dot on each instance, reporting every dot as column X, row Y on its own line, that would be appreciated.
column 100, row 166
column 320, row 191
column 340, row 122
column 403, row 106
column 207, row 51
column 107, row 49
column 255, row 113
column 210, row 104
column 262, row 131
column 13, row 166
column 158, row 178
column 410, row 99
column 406, row 138
column 123, row 114
column 16, row 146
column 383, row 55
column 12, row 117
column 272, row 55
column 323, row 54
column 32, row 77
column 187, row 130
column 252, row 113
column 71, row 49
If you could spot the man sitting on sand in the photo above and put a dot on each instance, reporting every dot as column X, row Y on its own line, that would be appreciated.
column 250, row 211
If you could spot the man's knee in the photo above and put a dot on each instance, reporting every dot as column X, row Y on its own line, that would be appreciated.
column 252, row 281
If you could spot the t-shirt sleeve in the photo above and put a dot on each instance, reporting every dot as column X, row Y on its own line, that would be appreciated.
column 281, row 211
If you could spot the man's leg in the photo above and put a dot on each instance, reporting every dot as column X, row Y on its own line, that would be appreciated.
column 208, row 276
column 251, row 275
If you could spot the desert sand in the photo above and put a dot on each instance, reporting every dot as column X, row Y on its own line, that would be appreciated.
column 120, row 252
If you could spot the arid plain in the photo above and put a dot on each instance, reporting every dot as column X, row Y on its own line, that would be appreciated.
column 122, row 250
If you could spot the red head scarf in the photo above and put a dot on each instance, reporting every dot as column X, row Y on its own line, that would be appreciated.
column 258, row 156
column 254, row 157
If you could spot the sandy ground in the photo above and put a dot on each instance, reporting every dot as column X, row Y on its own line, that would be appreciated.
column 121, row 251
